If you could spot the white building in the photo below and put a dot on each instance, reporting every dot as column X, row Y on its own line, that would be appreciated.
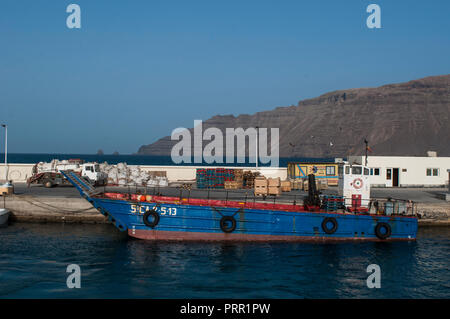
column 406, row 171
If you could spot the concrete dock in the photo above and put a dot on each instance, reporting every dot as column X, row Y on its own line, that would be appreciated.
column 64, row 204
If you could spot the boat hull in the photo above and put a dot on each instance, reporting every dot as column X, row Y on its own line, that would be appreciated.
column 161, row 235
column 181, row 222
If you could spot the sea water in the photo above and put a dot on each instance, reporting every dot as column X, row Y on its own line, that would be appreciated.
column 34, row 260
column 142, row 159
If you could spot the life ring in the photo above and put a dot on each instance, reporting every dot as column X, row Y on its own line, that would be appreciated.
column 325, row 225
column 224, row 224
column 379, row 230
column 357, row 183
column 148, row 222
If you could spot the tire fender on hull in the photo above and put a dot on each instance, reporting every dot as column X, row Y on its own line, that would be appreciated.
column 147, row 218
column 379, row 230
column 325, row 227
column 224, row 224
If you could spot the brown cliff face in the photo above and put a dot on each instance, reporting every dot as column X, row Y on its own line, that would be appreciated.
column 397, row 119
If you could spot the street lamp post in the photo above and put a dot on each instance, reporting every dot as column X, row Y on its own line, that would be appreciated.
column 6, row 152
column 257, row 147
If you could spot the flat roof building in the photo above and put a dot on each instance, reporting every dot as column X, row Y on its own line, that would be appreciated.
column 406, row 171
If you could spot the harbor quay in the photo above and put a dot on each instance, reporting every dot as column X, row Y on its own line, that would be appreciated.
column 63, row 204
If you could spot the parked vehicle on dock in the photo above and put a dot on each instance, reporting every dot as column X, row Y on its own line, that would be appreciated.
column 48, row 174
column 318, row 218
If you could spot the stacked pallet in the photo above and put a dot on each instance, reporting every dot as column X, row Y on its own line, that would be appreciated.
column 213, row 177
column 323, row 184
column 286, row 186
column 239, row 177
column 232, row 185
column 332, row 203
column 320, row 185
column 296, row 184
column 274, row 186
column 260, row 186
column 249, row 179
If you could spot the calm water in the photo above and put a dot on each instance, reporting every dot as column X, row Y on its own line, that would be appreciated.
column 33, row 261
column 135, row 159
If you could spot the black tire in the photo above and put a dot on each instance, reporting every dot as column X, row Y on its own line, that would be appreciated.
column 224, row 224
column 325, row 222
column 151, row 223
column 379, row 233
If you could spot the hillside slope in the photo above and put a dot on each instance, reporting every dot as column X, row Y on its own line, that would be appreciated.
column 397, row 119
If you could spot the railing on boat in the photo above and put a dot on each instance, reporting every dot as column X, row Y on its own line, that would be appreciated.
column 381, row 206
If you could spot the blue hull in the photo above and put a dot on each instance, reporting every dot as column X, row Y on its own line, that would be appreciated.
column 184, row 222
column 175, row 219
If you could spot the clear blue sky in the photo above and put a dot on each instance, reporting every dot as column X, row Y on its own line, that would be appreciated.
column 138, row 69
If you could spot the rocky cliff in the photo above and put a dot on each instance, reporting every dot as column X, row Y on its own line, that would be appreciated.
column 397, row 119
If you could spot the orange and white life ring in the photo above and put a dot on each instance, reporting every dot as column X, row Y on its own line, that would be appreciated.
column 357, row 183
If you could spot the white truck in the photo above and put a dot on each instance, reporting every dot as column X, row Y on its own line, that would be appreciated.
column 48, row 174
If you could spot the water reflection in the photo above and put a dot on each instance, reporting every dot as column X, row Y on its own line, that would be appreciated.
column 33, row 260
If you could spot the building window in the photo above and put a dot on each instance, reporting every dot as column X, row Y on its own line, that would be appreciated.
column 432, row 171
column 375, row 171
column 331, row 171
column 366, row 171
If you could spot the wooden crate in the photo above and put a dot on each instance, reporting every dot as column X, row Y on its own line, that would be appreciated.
column 260, row 181
column 274, row 182
column 260, row 190
column 323, row 184
column 305, row 185
column 274, row 190
column 232, row 185
column 286, row 186
column 297, row 184
column 319, row 185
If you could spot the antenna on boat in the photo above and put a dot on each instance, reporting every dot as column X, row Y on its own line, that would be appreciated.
column 367, row 149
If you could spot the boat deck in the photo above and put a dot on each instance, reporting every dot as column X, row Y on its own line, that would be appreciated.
column 150, row 199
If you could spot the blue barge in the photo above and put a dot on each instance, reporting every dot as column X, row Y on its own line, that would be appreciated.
column 177, row 218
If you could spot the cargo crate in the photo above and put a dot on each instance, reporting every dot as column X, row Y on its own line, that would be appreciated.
column 260, row 190
column 260, row 181
column 274, row 190
column 274, row 182
column 286, row 186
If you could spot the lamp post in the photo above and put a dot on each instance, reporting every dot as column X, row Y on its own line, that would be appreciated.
column 6, row 152
column 257, row 147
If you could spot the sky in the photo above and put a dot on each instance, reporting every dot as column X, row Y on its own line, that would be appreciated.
column 136, row 70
